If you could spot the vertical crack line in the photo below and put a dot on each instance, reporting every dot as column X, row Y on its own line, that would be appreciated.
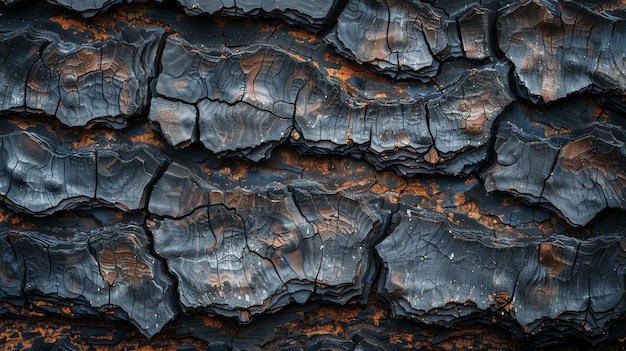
column 552, row 168
column 94, row 200
column 196, row 129
column 391, row 51
column 164, row 267
column 515, row 286
column 158, row 175
column 427, row 112
column 575, row 259
column 588, row 311
column 158, row 64
column 332, row 17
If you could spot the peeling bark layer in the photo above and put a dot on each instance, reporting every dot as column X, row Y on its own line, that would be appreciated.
column 108, row 270
column 78, row 83
column 563, row 48
column 531, row 280
column 345, row 175
column 39, row 179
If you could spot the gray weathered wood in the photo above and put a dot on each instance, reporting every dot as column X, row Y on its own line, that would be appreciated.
column 561, row 48
column 38, row 178
column 78, row 83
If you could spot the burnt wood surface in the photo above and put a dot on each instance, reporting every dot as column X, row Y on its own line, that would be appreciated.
column 301, row 175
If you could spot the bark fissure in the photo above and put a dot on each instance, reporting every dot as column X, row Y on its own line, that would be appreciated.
column 267, row 174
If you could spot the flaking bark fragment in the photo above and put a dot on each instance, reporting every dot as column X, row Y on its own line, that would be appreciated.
column 253, row 250
column 106, row 270
column 561, row 48
column 80, row 84
column 577, row 173
column 39, row 179
column 436, row 272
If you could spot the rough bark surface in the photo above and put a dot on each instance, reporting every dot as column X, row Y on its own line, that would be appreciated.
column 78, row 83
column 428, row 259
column 40, row 179
column 563, row 48
column 343, row 175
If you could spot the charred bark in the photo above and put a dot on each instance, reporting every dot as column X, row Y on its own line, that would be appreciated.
column 358, row 175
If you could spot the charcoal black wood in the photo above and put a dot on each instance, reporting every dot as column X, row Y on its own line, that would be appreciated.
column 437, row 272
column 40, row 179
column 109, row 269
column 577, row 174
column 476, row 27
column 560, row 48
column 397, row 38
column 256, row 249
column 242, row 175
column 78, row 83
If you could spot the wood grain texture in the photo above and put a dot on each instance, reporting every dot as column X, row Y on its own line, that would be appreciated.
column 109, row 270
column 39, row 179
column 78, row 83
column 438, row 273
column 335, row 175
column 563, row 48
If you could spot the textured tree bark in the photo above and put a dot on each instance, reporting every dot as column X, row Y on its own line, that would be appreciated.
column 297, row 175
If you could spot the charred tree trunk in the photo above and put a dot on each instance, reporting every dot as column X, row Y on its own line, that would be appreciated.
column 337, row 174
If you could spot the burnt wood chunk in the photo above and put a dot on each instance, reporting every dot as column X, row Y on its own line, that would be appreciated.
column 251, row 100
column 78, row 83
column 561, row 48
column 461, row 120
column 577, row 173
column 312, row 175
column 245, row 102
column 107, row 270
column 254, row 250
column 11, row 271
column 476, row 29
column 180, row 191
column 435, row 272
column 175, row 120
column 415, row 137
column 224, row 127
column 392, row 136
column 39, row 179
column 347, row 227
column 401, row 39
column 19, row 52
column 125, row 174
column 128, row 267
